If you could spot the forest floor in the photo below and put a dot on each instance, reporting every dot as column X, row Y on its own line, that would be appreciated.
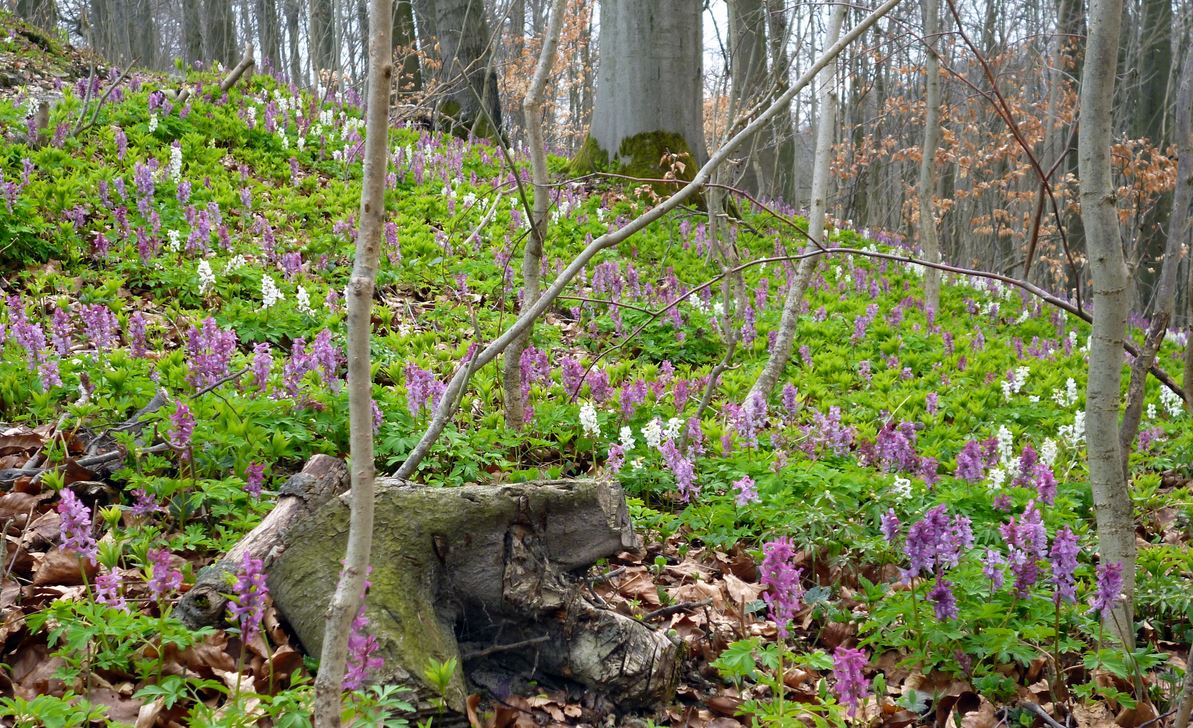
column 910, row 492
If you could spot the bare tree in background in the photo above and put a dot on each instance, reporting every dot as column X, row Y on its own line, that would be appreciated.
column 322, row 36
column 42, row 13
column 269, row 34
column 460, row 32
column 927, row 183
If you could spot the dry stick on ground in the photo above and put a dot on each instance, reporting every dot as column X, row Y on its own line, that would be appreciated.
column 455, row 386
column 350, row 589
column 532, row 257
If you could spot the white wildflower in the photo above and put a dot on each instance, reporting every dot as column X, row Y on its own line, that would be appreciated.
column 588, row 420
column 175, row 167
column 1171, row 402
column 269, row 292
column 153, row 122
column 1006, row 445
column 1074, row 434
column 301, row 144
column 653, row 433
column 998, row 476
column 206, row 278
column 673, row 426
column 1013, row 385
column 174, row 240
column 1151, row 411
column 1048, row 452
column 1067, row 397
column 901, row 487
column 718, row 309
column 234, row 264
column 627, row 438
column 285, row 140
column 303, row 299
column 252, row 111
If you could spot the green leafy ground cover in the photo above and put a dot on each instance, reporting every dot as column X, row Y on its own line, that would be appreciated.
column 203, row 251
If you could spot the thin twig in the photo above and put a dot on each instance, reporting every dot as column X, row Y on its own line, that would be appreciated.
column 675, row 609
column 495, row 649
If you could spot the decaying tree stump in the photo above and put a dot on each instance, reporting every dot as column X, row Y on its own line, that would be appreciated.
column 487, row 565
column 320, row 480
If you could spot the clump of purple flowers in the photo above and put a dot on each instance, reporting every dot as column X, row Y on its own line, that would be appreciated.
column 164, row 578
column 849, row 683
column 254, row 479
column 1064, row 564
column 779, row 575
column 422, row 388
column 249, row 593
column 107, row 591
column 210, row 349
column 1026, row 540
column 183, row 426
column 75, row 529
column 1109, row 589
column 746, row 492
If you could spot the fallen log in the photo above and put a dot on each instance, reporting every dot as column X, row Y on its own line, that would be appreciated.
column 488, row 566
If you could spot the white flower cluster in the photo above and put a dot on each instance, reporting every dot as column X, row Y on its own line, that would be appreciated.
column 1006, row 446
column 206, row 278
column 1074, row 434
column 175, row 167
column 901, row 488
column 671, row 431
column 588, row 420
column 627, row 438
column 1013, row 385
column 1067, row 397
column 234, row 264
column 252, row 112
column 1171, row 402
column 1048, row 452
column 153, row 122
column 698, row 303
column 652, row 432
column 174, row 240
column 303, row 300
column 269, row 292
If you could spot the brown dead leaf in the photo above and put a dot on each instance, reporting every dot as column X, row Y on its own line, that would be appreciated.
column 740, row 592
column 724, row 704
column 17, row 505
column 12, row 442
column 58, row 566
column 1137, row 716
column 641, row 587
column 983, row 717
column 121, row 709
column 147, row 715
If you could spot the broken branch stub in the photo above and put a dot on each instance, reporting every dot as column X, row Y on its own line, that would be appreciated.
column 485, row 564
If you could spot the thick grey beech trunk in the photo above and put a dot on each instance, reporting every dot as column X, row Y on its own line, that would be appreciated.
column 269, row 35
column 350, row 589
column 1182, row 199
column 780, row 353
column 783, row 180
column 192, row 32
column 929, row 240
column 468, row 82
column 1112, row 501
column 293, row 41
column 649, row 83
column 322, row 36
column 532, row 258
column 221, row 33
column 410, row 78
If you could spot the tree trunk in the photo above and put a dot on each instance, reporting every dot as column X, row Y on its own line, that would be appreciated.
column 532, row 259
column 1183, row 198
column 144, row 44
column 487, row 565
column 927, row 183
column 1112, row 502
column 268, row 34
column 410, row 77
column 747, row 73
column 293, row 25
column 221, row 36
column 781, row 164
column 322, row 42
column 350, row 585
column 648, row 88
column 469, row 80
column 192, row 32
column 42, row 13
column 780, row 353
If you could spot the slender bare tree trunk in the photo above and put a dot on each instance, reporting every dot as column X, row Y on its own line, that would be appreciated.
column 1112, row 502
column 789, row 323
column 42, row 13
column 221, row 33
column 293, row 41
column 929, row 240
column 350, row 589
column 192, row 32
column 532, row 258
column 1179, row 226
column 269, row 35
column 322, row 44
column 410, row 78
column 782, row 129
column 747, row 66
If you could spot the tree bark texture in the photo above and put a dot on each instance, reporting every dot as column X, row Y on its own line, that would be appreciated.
column 1112, row 502
column 780, row 353
column 293, row 29
column 750, row 86
column 780, row 166
column 192, row 32
column 322, row 40
column 42, row 13
column 351, row 581
column 221, row 35
column 269, row 35
column 409, row 70
column 488, row 565
column 929, row 241
column 471, row 98
column 649, row 83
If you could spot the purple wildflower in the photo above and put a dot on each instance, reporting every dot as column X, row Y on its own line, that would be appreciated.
column 262, row 363
column 107, row 591
column 943, row 602
column 969, row 463
column 992, row 564
column 164, row 578
column 136, row 335
column 891, row 526
column 616, row 458
column 1064, row 563
column 682, row 468
column 254, row 479
column 1027, row 541
column 362, row 649
column 183, row 426
column 210, row 349
column 1109, row 590
column 143, row 504
column 849, row 683
column 75, row 528
column 785, row 595
column 247, row 605
column 746, row 493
